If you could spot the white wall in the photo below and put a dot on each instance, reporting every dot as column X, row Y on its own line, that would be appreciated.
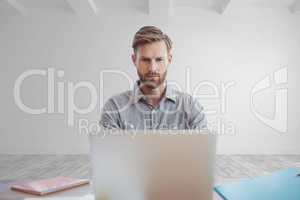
column 243, row 45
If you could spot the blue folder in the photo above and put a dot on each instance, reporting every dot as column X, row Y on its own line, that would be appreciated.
column 280, row 185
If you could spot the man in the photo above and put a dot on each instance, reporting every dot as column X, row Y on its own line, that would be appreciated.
column 152, row 104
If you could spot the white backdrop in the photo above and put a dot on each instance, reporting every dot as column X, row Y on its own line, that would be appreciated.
column 234, row 50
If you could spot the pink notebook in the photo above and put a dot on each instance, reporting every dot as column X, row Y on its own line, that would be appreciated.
column 47, row 186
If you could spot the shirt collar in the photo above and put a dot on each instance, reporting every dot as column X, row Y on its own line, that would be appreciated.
column 138, row 94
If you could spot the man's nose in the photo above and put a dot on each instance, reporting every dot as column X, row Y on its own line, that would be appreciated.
column 153, row 65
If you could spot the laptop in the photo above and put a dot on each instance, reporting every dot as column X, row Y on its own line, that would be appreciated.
column 153, row 164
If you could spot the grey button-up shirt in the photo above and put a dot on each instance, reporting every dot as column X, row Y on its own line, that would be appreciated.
column 176, row 110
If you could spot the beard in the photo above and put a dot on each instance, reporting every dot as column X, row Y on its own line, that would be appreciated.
column 152, row 80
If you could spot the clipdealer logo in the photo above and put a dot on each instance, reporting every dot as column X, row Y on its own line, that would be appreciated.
column 58, row 88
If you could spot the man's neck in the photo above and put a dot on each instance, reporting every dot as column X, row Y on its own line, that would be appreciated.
column 154, row 95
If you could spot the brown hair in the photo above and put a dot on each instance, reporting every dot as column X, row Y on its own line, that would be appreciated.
column 150, row 34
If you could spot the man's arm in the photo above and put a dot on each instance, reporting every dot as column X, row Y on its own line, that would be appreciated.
column 110, row 117
column 197, row 119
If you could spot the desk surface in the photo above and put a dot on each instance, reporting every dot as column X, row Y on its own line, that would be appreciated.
column 228, row 169
column 79, row 193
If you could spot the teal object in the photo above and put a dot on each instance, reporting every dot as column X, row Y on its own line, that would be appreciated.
column 280, row 185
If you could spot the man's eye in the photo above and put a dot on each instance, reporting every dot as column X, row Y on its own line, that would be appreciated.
column 146, row 60
column 159, row 59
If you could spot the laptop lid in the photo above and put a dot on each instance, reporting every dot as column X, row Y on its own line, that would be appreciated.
column 153, row 164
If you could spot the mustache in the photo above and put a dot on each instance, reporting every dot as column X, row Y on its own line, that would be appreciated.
column 152, row 74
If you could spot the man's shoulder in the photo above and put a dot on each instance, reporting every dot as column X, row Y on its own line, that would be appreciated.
column 189, row 101
column 120, row 98
column 181, row 95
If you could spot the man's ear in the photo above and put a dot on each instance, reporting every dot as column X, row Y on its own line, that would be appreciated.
column 133, row 58
column 170, row 57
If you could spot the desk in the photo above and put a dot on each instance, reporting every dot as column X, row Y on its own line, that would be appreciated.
column 80, row 193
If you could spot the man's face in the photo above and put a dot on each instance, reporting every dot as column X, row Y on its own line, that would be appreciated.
column 151, row 61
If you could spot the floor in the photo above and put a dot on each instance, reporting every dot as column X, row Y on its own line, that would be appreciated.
column 31, row 167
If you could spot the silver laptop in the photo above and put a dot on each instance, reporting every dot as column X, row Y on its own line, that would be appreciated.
column 153, row 164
